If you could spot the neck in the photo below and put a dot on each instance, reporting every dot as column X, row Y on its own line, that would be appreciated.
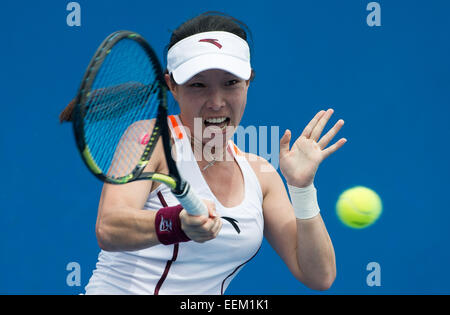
column 208, row 156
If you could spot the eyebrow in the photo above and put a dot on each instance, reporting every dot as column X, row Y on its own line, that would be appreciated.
column 198, row 75
column 201, row 75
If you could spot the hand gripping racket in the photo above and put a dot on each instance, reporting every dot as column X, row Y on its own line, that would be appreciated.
column 121, row 111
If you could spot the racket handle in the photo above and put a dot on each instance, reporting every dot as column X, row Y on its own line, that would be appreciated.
column 189, row 200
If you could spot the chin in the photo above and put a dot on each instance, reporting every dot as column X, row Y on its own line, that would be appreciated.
column 218, row 136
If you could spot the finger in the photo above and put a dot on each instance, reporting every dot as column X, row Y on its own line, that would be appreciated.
column 299, row 141
column 211, row 208
column 204, row 228
column 330, row 134
column 309, row 128
column 317, row 131
column 333, row 148
column 216, row 228
column 198, row 234
column 192, row 220
column 284, row 142
column 211, row 225
column 208, row 230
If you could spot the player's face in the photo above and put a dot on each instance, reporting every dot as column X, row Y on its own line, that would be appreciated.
column 213, row 99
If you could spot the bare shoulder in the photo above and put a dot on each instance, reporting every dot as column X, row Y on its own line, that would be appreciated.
column 141, row 127
column 265, row 172
column 133, row 141
column 258, row 163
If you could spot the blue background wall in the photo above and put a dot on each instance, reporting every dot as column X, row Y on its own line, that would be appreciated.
column 390, row 84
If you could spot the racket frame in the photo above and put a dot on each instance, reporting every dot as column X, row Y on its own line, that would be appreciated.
column 180, row 188
column 84, row 93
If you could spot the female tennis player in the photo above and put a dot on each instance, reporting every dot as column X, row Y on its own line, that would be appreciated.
column 150, row 245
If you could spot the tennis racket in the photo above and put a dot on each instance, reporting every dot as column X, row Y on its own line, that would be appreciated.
column 120, row 113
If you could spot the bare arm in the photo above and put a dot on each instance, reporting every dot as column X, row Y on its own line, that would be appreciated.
column 122, row 224
column 315, row 259
column 315, row 253
column 304, row 245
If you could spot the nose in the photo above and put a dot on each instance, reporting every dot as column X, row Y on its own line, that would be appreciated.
column 215, row 100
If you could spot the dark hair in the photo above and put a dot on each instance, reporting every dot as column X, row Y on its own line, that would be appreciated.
column 66, row 114
column 208, row 22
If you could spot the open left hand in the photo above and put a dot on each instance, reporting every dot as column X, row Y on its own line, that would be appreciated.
column 300, row 163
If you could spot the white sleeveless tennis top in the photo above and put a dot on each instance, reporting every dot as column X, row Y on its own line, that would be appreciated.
column 190, row 267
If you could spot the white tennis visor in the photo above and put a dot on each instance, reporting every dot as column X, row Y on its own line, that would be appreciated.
column 209, row 50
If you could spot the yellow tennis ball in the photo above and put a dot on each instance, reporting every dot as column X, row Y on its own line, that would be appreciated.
column 359, row 207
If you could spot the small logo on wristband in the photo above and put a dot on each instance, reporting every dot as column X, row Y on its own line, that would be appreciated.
column 165, row 225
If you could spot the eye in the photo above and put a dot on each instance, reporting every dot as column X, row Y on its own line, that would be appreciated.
column 197, row 85
column 231, row 82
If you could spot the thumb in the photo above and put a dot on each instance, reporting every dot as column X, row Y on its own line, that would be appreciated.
column 284, row 142
column 211, row 208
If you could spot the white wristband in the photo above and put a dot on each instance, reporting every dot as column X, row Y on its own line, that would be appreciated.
column 304, row 201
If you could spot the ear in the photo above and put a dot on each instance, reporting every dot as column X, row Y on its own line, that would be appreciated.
column 172, row 85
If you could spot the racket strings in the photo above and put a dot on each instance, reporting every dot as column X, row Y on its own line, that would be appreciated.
column 134, row 142
column 128, row 148
column 122, row 104
column 124, row 99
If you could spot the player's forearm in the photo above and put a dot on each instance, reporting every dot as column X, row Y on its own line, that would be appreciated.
column 315, row 253
column 126, row 229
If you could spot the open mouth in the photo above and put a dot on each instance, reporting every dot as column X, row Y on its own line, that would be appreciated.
column 220, row 122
